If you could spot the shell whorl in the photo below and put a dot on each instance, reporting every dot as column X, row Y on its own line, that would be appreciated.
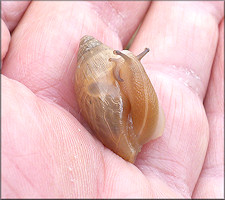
column 86, row 44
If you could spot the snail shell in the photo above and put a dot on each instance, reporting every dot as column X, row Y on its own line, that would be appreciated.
column 116, row 98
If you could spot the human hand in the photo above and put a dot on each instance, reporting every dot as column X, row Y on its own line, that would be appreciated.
column 46, row 152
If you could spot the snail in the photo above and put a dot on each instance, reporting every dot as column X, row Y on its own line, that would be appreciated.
column 116, row 98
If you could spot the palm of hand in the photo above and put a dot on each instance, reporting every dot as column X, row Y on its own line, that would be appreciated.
column 47, row 152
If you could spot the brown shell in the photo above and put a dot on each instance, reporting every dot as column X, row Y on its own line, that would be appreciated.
column 116, row 97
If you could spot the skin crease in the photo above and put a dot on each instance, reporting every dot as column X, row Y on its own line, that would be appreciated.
column 12, row 12
column 5, row 35
column 46, row 152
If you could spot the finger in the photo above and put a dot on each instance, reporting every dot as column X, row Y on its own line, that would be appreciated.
column 43, row 51
column 182, row 37
column 12, row 11
column 121, row 16
column 211, row 181
column 5, row 39
column 188, row 46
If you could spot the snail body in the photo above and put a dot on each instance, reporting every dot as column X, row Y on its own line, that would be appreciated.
column 116, row 98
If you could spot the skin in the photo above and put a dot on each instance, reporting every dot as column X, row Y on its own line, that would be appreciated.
column 47, row 152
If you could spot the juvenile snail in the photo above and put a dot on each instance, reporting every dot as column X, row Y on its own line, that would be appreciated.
column 116, row 98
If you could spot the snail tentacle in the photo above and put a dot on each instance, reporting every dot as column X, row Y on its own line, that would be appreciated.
column 116, row 72
column 116, row 69
column 124, row 56
column 142, row 54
